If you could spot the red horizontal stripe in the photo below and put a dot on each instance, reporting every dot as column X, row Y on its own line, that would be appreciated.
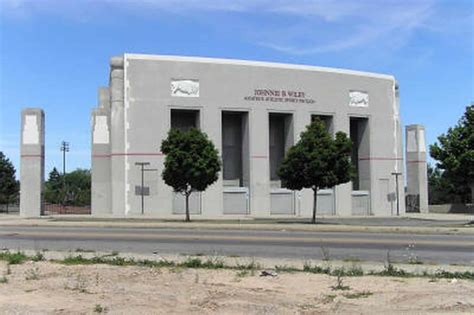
column 126, row 154
column 259, row 156
column 31, row 155
column 416, row 161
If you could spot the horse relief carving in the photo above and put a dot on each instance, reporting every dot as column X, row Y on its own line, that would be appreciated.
column 185, row 88
column 358, row 99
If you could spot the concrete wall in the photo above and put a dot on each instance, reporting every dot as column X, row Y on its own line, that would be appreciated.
column 147, row 87
column 32, row 162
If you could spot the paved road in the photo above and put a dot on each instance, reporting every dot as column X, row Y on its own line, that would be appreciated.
column 447, row 249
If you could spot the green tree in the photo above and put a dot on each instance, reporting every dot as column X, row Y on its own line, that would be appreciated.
column 192, row 162
column 439, row 189
column 78, row 187
column 317, row 161
column 73, row 189
column 9, row 186
column 53, row 191
column 455, row 155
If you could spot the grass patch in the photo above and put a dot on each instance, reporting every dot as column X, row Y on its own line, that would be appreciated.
column 391, row 271
column 316, row 269
column 32, row 274
column 442, row 274
column 14, row 258
column 325, row 253
column 245, row 273
column 233, row 256
column 340, row 284
column 79, row 260
column 217, row 263
column 99, row 309
column 329, row 298
column 415, row 262
column 3, row 279
column 358, row 295
column 352, row 259
column 211, row 263
column 82, row 250
column 354, row 271
column 80, row 285
column 214, row 263
column 253, row 265
column 150, row 263
column 192, row 263
column 38, row 257
column 285, row 268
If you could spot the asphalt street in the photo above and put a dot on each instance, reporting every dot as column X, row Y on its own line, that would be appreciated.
column 427, row 248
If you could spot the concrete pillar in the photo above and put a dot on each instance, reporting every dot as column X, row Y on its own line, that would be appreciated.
column 213, row 197
column 32, row 162
column 343, row 192
column 103, row 97
column 101, row 172
column 117, row 146
column 259, row 163
column 417, row 177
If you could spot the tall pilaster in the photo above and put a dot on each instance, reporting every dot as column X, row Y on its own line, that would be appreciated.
column 101, row 180
column 417, row 177
column 117, row 147
column 32, row 162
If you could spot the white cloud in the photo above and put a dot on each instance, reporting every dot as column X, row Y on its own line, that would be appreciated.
column 307, row 26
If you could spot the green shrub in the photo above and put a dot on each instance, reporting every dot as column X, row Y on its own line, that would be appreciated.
column 13, row 258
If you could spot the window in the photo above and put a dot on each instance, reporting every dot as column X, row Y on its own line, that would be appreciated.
column 280, row 140
column 184, row 119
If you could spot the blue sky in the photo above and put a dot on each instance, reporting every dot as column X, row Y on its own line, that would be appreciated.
column 54, row 54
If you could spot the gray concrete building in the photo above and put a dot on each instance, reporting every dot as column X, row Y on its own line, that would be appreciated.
column 253, row 112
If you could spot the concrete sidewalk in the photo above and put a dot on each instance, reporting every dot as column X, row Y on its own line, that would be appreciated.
column 410, row 223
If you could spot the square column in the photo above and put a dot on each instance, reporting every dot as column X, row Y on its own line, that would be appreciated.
column 417, row 177
column 100, row 160
column 32, row 162
column 117, row 136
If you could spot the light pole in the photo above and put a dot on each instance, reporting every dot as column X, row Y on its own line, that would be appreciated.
column 396, row 174
column 142, row 187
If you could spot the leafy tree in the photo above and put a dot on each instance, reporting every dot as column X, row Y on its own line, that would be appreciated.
column 317, row 161
column 78, row 187
column 74, row 188
column 192, row 162
column 53, row 191
column 455, row 155
column 9, row 186
column 440, row 191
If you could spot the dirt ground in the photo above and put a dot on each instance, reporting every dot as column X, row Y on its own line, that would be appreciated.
column 49, row 288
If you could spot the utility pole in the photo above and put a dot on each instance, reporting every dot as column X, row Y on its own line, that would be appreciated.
column 64, row 148
column 142, row 187
column 396, row 174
